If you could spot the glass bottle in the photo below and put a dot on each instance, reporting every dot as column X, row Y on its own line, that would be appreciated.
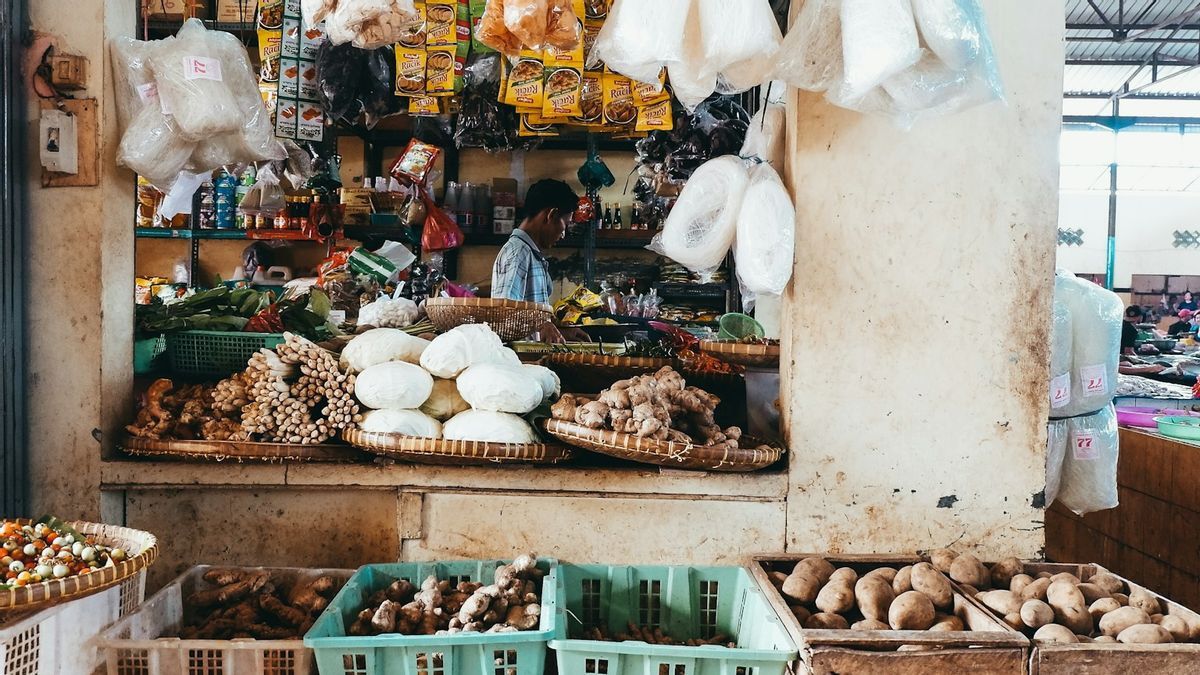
column 208, row 207
column 618, row 220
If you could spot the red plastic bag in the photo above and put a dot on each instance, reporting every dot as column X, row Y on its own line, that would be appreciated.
column 441, row 233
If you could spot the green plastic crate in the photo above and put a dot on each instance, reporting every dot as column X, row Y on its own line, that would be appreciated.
column 147, row 354
column 218, row 353
column 687, row 603
column 520, row 653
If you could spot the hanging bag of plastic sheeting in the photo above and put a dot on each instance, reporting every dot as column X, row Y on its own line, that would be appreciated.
column 191, row 83
column 1096, row 316
column 740, row 40
column 133, row 81
column 701, row 227
column 927, row 85
column 1089, row 475
column 879, row 39
column 766, row 236
column 810, row 56
column 640, row 37
column 765, row 137
column 691, row 82
column 1057, row 433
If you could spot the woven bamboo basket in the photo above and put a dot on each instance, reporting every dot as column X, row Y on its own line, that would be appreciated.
column 142, row 549
column 616, row 367
column 237, row 451
column 664, row 453
column 511, row 319
column 752, row 355
column 459, row 453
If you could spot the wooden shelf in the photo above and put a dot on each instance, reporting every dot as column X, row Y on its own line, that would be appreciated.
column 257, row 235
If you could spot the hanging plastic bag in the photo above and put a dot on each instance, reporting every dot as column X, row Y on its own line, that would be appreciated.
column 265, row 197
column 1096, row 316
column 133, row 81
column 765, row 137
column 540, row 24
column 494, row 33
column 691, row 81
column 257, row 133
column 1089, row 475
column 879, row 39
column 1057, row 435
column 441, row 233
column 314, row 11
column 810, row 57
column 640, row 37
column 766, row 235
column 1061, row 350
column 951, row 30
column 191, row 83
column 154, row 148
column 702, row 225
column 740, row 41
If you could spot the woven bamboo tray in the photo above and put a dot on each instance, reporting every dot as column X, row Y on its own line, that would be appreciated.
column 142, row 549
column 752, row 355
column 459, row 453
column 237, row 451
column 511, row 319
column 663, row 453
column 617, row 367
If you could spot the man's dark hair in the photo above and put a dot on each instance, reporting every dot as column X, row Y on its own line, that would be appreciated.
column 1133, row 311
column 550, row 194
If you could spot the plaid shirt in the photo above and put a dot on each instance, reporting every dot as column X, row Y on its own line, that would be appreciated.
column 520, row 271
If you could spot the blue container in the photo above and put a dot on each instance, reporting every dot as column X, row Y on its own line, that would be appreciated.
column 686, row 603
column 519, row 653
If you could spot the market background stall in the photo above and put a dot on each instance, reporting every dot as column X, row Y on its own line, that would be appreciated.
column 855, row 481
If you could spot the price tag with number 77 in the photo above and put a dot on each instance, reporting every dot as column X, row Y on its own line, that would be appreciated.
column 1085, row 446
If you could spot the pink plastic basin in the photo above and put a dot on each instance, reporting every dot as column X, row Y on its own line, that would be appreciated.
column 1144, row 417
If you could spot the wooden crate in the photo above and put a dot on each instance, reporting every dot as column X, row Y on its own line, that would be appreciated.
column 1112, row 659
column 989, row 648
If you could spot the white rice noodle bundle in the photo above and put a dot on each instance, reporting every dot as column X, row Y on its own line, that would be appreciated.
column 879, row 39
column 192, row 84
column 640, row 37
column 766, row 235
column 702, row 225
column 810, row 57
column 740, row 41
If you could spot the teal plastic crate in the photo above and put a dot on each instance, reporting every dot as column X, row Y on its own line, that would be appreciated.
column 687, row 603
column 215, row 353
column 519, row 653
column 147, row 354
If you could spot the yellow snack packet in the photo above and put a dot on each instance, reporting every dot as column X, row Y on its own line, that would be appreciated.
column 414, row 34
column 424, row 106
column 656, row 117
column 439, row 71
column 532, row 124
column 441, row 23
column 591, row 99
column 526, row 82
column 619, row 109
column 410, row 71
column 646, row 93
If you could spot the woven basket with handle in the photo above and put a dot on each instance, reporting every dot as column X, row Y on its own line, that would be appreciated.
column 665, row 453
column 440, row 451
column 141, row 549
column 511, row 319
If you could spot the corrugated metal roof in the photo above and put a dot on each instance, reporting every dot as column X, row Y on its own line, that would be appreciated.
column 1093, row 42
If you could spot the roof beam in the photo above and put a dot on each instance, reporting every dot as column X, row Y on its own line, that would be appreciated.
column 1117, row 40
column 1146, row 96
column 1161, row 62
column 1131, row 26
column 1182, row 17
column 1103, row 17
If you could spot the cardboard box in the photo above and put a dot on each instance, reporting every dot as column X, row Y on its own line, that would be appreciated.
column 236, row 11
column 175, row 10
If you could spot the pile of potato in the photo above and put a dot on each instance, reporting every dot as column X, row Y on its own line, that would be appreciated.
column 914, row 597
column 1063, row 608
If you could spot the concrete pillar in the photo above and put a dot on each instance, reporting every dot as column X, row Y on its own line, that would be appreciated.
column 916, row 327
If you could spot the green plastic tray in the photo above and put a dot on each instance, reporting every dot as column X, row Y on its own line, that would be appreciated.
column 215, row 353
column 686, row 602
column 520, row 653
column 1177, row 426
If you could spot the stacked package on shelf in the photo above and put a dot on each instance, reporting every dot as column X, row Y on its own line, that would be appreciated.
column 1081, row 460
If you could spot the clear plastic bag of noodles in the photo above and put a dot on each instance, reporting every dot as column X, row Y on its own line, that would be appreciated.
column 766, row 236
column 257, row 133
column 879, row 40
column 765, row 137
column 703, row 222
column 1062, row 337
column 133, row 81
column 1096, row 316
column 641, row 37
column 951, row 29
column 1057, row 433
column 691, row 82
column 810, row 56
column 740, row 41
column 154, row 148
column 192, row 83
column 1089, row 475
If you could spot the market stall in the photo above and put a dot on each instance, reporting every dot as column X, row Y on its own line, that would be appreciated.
column 370, row 407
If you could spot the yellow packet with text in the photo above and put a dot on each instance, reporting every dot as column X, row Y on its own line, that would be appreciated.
column 439, row 71
column 441, row 23
column 648, row 93
column 619, row 109
column 656, row 117
column 424, row 106
column 591, row 99
column 410, row 71
column 526, row 82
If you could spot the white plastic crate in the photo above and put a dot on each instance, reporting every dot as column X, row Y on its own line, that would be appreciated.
column 136, row 646
column 58, row 640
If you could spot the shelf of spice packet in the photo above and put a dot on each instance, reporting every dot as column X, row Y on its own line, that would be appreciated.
column 474, row 239
column 670, row 290
column 179, row 233
column 172, row 27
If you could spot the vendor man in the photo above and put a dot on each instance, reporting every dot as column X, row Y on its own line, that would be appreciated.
column 521, row 271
